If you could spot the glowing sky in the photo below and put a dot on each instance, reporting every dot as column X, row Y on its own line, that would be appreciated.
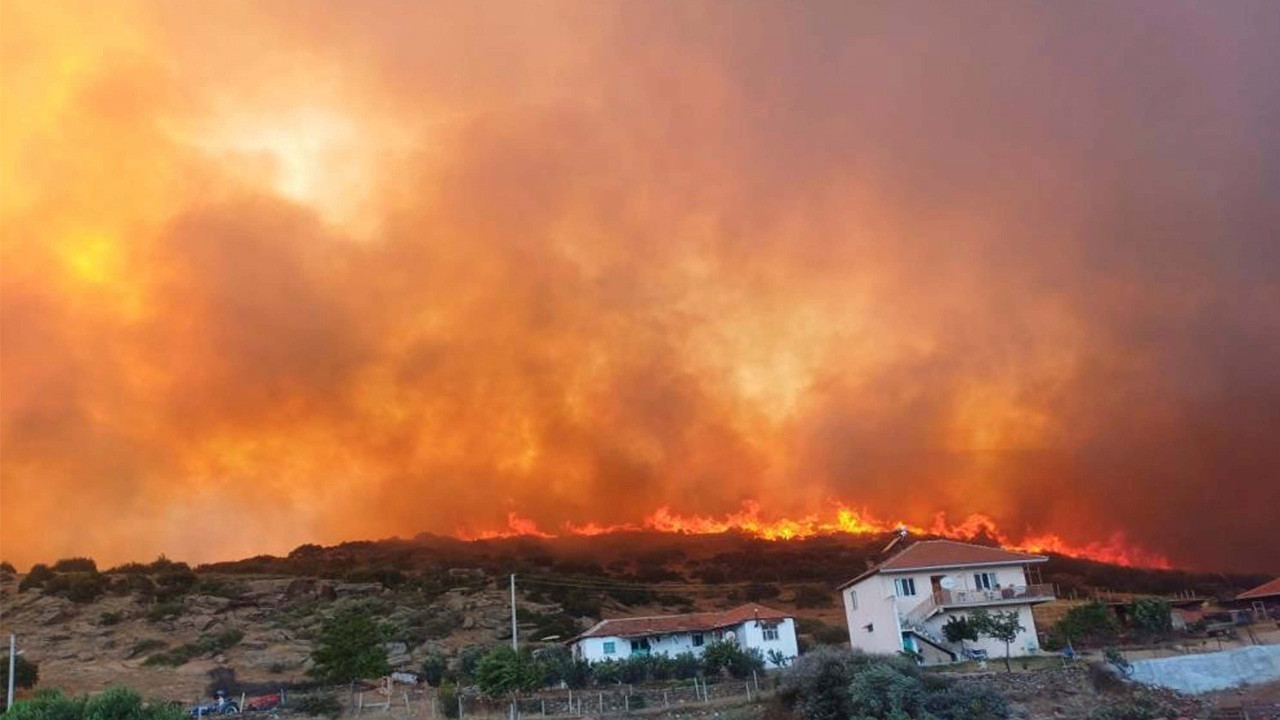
column 285, row 272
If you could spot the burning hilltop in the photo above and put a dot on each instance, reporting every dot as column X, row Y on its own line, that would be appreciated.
column 842, row 520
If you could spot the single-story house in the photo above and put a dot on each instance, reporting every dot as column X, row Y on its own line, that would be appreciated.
column 770, row 631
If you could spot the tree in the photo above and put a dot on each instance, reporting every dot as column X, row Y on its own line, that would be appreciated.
column 726, row 656
column 25, row 674
column 1092, row 622
column 349, row 649
column 1002, row 626
column 1151, row 615
column 433, row 669
column 958, row 629
column 503, row 671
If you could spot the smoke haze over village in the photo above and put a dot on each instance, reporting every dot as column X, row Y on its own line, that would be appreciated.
column 290, row 272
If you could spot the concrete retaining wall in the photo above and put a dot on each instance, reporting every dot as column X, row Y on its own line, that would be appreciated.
column 1196, row 674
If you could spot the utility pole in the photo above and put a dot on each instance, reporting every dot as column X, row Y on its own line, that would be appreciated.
column 515, row 645
column 13, row 666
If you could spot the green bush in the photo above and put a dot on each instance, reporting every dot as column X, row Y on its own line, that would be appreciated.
column 114, row 704
column 448, row 698
column 886, row 690
column 726, row 656
column 966, row 701
column 433, row 669
column 349, row 648
column 313, row 705
column 109, row 618
column 503, row 671
column 1151, row 615
column 1091, row 623
column 76, row 564
column 165, row 611
column 208, row 644
column 830, row 684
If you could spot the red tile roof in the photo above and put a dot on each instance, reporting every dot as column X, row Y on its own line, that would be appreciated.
column 929, row 554
column 1266, row 589
column 689, row 622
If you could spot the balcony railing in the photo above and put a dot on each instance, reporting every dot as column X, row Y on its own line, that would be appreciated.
column 946, row 599
column 996, row 596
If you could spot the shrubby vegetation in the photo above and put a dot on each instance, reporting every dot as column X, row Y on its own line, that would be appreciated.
column 318, row 704
column 830, row 684
column 114, row 704
column 1151, row 615
column 1089, row 624
column 349, row 648
column 208, row 644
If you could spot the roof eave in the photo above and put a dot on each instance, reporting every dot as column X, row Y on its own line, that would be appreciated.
column 873, row 571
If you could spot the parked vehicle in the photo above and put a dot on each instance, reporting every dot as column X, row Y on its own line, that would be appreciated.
column 220, row 706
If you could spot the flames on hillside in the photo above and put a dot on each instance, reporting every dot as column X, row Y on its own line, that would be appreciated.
column 841, row 520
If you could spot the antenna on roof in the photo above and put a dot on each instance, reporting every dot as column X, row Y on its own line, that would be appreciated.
column 898, row 536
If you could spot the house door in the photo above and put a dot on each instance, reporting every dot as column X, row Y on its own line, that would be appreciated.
column 935, row 582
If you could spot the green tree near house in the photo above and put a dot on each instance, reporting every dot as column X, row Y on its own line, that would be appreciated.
column 349, row 649
column 1151, row 615
column 503, row 671
column 958, row 629
column 1002, row 626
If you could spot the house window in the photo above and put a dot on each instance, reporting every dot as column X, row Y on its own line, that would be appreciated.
column 985, row 581
column 853, row 599
column 640, row 646
column 770, row 632
column 904, row 587
column 697, row 639
column 610, row 647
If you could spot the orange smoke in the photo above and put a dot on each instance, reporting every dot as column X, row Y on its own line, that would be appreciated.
column 275, row 273
column 844, row 520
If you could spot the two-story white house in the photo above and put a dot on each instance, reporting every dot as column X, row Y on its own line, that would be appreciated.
column 750, row 626
column 902, row 603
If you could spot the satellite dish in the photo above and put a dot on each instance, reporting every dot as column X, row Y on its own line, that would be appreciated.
column 947, row 583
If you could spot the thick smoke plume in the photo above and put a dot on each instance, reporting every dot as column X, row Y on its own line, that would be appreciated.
column 285, row 272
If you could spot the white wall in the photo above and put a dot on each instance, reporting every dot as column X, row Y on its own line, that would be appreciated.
column 751, row 635
column 747, row 635
column 1025, row 644
column 871, row 602
column 1006, row 576
column 879, row 606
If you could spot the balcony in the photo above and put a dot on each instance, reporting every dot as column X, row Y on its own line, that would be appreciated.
column 942, row 600
column 998, row 596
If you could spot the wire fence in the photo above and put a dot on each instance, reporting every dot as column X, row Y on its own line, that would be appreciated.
column 623, row 699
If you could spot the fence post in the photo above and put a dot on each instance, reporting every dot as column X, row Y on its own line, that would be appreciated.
column 459, row 706
column 602, row 702
column 664, row 699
